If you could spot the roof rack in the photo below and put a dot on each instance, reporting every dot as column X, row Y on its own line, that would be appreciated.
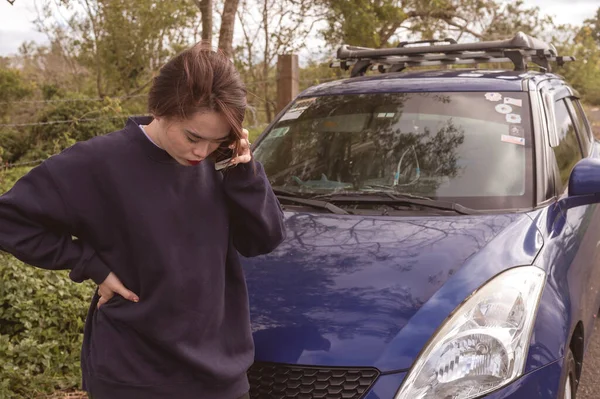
column 520, row 50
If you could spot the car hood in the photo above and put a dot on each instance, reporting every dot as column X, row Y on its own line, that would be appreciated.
column 346, row 290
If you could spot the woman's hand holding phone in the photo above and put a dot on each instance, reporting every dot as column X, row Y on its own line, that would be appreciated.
column 244, row 155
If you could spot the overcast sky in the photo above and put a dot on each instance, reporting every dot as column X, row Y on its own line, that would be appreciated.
column 16, row 21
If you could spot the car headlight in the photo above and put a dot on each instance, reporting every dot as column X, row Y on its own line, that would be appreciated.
column 483, row 345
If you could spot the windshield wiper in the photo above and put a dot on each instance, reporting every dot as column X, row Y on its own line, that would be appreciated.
column 385, row 197
column 289, row 196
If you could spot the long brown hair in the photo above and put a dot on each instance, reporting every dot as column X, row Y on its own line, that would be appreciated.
column 200, row 79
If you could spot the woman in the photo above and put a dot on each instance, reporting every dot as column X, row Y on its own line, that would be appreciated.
column 144, row 213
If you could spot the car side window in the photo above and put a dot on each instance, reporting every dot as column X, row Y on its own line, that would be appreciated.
column 580, row 122
column 584, row 119
column 568, row 150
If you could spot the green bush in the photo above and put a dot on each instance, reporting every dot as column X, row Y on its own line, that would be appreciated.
column 13, row 87
column 42, row 314
column 87, row 119
column 13, row 145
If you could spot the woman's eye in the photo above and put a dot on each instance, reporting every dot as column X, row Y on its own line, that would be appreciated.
column 191, row 140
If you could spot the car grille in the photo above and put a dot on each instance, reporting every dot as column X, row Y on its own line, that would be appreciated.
column 279, row 381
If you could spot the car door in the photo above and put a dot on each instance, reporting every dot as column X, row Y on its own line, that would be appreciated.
column 591, row 147
column 582, row 237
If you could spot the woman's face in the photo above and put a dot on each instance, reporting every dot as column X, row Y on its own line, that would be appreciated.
column 192, row 140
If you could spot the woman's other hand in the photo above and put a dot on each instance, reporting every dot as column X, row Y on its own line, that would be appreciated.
column 111, row 286
column 245, row 156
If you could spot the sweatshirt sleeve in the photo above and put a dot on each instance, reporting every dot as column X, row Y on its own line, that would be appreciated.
column 256, row 216
column 35, row 226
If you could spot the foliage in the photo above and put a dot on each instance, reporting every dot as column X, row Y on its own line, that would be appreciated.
column 584, row 73
column 41, row 319
column 123, row 42
column 87, row 119
column 12, row 87
column 594, row 25
column 371, row 28
column 381, row 23
column 13, row 145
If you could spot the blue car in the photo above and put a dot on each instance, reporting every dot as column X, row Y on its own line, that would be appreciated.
column 443, row 234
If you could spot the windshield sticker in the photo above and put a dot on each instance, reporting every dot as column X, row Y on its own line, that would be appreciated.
column 495, row 97
column 512, row 139
column 513, row 101
column 297, row 109
column 386, row 115
column 516, row 131
column 279, row 132
column 503, row 109
column 513, row 118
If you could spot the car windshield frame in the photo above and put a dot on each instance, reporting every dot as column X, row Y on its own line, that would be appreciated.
column 512, row 101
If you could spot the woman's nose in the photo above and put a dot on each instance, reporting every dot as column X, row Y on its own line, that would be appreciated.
column 201, row 150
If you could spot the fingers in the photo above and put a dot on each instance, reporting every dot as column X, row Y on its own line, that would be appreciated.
column 245, row 155
column 111, row 286
column 245, row 158
column 245, row 141
column 105, row 295
column 102, row 301
column 125, row 293
column 245, row 144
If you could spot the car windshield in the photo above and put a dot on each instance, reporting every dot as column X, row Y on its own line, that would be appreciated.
column 474, row 148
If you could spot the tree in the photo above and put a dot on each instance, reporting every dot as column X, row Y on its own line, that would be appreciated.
column 478, row 19
column 206, row 10
column 379, row 23
column 122, row 42
column 584, row 73
column 594, row 25
column 227, row 24
column 364, row 23
column 271, row 27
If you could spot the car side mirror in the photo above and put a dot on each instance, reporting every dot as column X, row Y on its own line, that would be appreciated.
column 585, row 178
column 584, row 184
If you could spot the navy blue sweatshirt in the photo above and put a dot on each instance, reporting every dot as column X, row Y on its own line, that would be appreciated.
column 171, row 234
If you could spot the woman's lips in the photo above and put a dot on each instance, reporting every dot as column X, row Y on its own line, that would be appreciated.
column 194, row 162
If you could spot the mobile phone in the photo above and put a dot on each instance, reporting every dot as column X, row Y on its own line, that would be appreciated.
column 223, row 156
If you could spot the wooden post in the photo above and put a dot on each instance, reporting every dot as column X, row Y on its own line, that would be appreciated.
column 287, row 79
